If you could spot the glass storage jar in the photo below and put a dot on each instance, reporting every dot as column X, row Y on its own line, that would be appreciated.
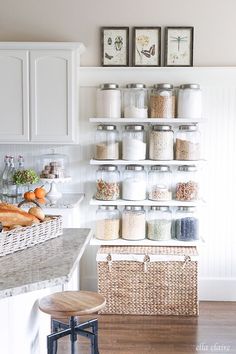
column 107, row 143
column 133, row 145
column 53, row 165
column 187, row 186
column 162, row 101
column 135, row 101
column 109, row 101
column 133, row 223
column 159, row 222
column 161, row 143
column 186, row 224
column 159, row 183
column 134, row 183
column 190, row 101
column 108, row 183
column 107, row 223
column 187, row 143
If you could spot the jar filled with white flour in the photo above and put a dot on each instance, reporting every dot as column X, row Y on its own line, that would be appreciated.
column 161, row 143
column 133, row 223
column 190, row 101
column 134, row 183
column 109, row 101
column 133, row 143
column 135, row 101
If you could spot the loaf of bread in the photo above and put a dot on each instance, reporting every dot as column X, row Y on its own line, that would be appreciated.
column 9, row 217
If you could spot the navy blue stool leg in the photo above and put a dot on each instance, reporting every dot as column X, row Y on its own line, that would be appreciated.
column 73, row 336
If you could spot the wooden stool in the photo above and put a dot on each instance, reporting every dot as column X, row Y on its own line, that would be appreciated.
column 71, row 304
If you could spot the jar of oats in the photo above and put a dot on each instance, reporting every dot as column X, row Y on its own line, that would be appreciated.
column 187, row 143
column 107, row 223
column 159, row 183
column 187, row 186
column 133, row 223
column 107, row 143
column 161, row 143
column 162, row 101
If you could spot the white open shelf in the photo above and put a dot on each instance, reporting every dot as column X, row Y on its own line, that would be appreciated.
column 145, row 202
column 147, row 162
column 171, row 121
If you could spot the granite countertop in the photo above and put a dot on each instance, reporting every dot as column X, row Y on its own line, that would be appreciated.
column 45, row 265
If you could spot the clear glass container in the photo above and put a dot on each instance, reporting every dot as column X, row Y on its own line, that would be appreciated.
column 133, row 143
column 186, row 224
column 107, row 143
column 190, row 101
column 135, row 101
column 107, row 223
column 187, row 183
column 161, row 143
column 162, row 101
column 54, row 166
column 159, row 183
column 134, row 183
column 159, row 220
column 108, row 101
column 108, row 183
column 187, row 143
column 133, row 223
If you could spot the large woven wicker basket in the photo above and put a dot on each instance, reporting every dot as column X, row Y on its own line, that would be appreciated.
column 148, row 280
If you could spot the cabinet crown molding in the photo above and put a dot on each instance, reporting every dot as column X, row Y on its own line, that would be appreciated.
column 78, row 46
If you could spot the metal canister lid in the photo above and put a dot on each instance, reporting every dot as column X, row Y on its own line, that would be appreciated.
column 134, row 207
column 163, row 86
column 134, row 167
column 189, row 209
column 160, row 168
column 160, row 208
column 107, row 168
column 161, row 127
column 186, row 168
column 190, row 86
column 136, row 86
column 107, row 207
column 106, row 127
column 134, row 127
column 188, row 127
column 108, row 86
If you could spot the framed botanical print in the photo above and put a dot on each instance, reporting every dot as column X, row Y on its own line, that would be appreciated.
column 146, row 46
column 115, row 46
column 178, row 46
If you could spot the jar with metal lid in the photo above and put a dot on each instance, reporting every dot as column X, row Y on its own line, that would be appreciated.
column 133, row 143
column 107, row 143
column 133, row 223
column 135, row 101
column 108, row 183
column 159, row 220
column 187, row 143
column 186, row 224
column 134, row 183
column 107, row 222
column 162, row 101
column 159, row 183
column 161, row 143
column 109, row 101
column 190, row 101
column 187, row 186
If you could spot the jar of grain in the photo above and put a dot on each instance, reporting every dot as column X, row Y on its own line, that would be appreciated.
column 159, row 183
column 133, row 143
column 107, row 223
column 108, row 183
column 186, row 224
column 109, row 101
column 162, row 101
column 133, row 223
column 161, row 143
column 107, row 143
column 159, row 222
column 187, row 143
column 187, row 186
column 135, row 101
column 190, row 101
column 134, row 183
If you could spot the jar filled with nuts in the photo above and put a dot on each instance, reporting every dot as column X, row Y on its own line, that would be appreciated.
column 187, row 186
column 159, row 183
column 108, row 183
column 187, row 143
column 162, row 101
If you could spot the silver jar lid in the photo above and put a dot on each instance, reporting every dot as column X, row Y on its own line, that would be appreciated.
column 107, row 207
column 187, row 209
column 136, row 86
column 160, row 208
column 160, row 168
column 161, row 127
column 134, row 127
column 190, row 86
column 107, row 168
column 134, row 168
column 189, row 127
column 106, row 127
column 108, row 86
column 163, row 86
column 134, row 207
column 187, row 168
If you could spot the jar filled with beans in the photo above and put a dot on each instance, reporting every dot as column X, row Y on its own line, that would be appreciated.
column 186, row 224
column 108, row 183
column 107, row 223
column 187, row 186
column 162, row 101
column 159, row 222
column 161, row 143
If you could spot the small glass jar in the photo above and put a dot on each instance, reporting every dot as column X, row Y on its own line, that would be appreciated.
column 133, row 145
column 187, row 186
column 159, row 222
column 133, row 223
column 135, row 101
column 107, row 223
column 53, row 165
column 159, row 183
column 161, row 143
column 134, row 183
column 187, row 143
column 109, row 101
column 162, row 101
column 190, row 101
column 186, row 224
column 108, row 183
column 107, row 143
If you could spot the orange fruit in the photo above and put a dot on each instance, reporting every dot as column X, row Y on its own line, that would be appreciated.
column 41, row 201
column 39, row 192
column 29, row 195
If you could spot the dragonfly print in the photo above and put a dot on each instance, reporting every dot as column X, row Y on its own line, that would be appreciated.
column 179, row 40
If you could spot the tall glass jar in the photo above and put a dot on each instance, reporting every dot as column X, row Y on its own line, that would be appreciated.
column 186, row 224
column 134, row 183
column 107, row 223
column 108, row 183
column 133, row 223
column 135, row 101
column 159, row 183
column 161, row 143
column 187, row 143
column 109, row 101
column 133, row 143
column 159, row 222
column 107, row 143
column 187, row 186
column 190, row 101
column 162, row 101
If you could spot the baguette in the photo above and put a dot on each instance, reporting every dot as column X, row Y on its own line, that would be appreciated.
column 7, row 206
column 9, row 217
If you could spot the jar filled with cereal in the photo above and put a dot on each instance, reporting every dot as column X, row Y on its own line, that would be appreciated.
column 108, row 183
column 159, row 183
column 187, row 186
column 162, row 101
column 107, row 223
column 187, row 143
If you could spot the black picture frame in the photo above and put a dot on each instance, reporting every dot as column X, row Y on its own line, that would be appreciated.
column 122, row 53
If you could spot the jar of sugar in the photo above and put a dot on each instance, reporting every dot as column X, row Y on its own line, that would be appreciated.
column 134, row 183
column 190, row 101
column 133, row 145
column 135, row 101
column 109, row 101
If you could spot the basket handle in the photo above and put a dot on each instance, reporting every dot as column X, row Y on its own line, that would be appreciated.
column 109, row 261
column 146, row 260
column 187, row 259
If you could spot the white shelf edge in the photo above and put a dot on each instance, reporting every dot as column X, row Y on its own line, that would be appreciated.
column 146, row 202
column 146, row 162
column 173, row 121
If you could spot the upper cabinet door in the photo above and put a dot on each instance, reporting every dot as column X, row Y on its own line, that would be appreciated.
column 53, row 96
column 14, row 96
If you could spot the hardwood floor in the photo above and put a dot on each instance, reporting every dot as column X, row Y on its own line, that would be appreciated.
column 214, row 331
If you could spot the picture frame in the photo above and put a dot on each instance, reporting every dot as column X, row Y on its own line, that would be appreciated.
column 146, row 49
column 179, row 46
column 115, row 46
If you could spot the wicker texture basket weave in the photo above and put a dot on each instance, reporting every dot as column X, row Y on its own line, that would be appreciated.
column 149, row 288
